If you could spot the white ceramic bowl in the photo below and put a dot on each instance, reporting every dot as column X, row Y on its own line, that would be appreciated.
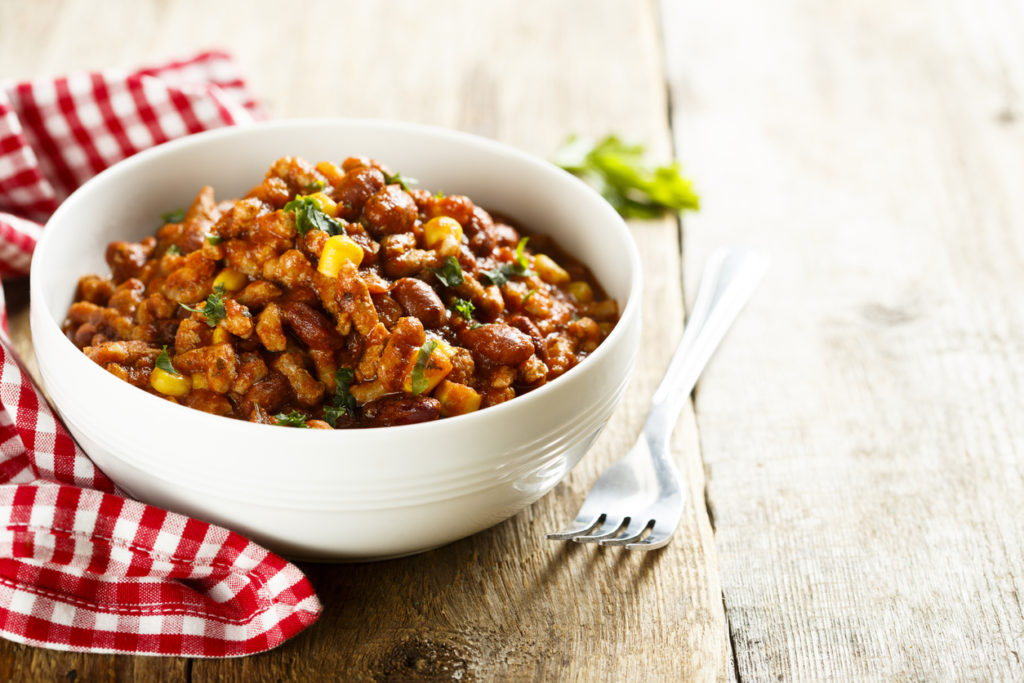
column 345, row 495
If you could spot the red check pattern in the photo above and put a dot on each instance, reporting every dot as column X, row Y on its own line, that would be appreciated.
column 81, row 566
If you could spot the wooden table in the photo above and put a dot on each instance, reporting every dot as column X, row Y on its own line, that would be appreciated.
column 855, row 452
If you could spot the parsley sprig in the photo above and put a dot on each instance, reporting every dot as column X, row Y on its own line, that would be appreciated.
column 623, row 176
column 506, row 271
column 463, row 307
column 293, row 419
column 309, row 216
column 343, row 402
column 163, row 361
column 176, row 216
column 420, row 381
column 397, row 178
column 213, row 310
column 450, row 273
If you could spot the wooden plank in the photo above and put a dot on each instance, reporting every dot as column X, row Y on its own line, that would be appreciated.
column 506, row 603
column 862, row 424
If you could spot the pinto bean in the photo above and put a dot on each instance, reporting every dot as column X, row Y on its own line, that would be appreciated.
column 309, row 325
column 419, row 300
column 401, row 410
column 499, row 343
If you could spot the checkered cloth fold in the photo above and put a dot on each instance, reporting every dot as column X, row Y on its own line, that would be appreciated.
column 82, row 567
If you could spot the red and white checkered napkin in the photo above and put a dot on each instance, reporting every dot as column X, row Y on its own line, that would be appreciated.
column 81, row 567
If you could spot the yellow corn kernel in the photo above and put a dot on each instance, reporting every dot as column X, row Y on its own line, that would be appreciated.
column 437, row 367
column 338, row 250
column 456, row 399
column 168, row 384
column 325, row 203
column 580, row 291
column 220, row 335
column 330, row 170
column 438, row 229
column 230, row 279
column 549, row 271
column 199, row 381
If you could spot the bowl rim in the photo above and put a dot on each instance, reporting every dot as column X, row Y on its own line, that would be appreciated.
column 628, row 313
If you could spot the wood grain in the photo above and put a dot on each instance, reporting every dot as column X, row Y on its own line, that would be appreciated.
column 505, row 604
column 862, row 424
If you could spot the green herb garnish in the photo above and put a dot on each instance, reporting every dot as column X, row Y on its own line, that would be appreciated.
column 175, row 216
column 213, row 310
column 464, row 308
column 397, row 178
column 527, row 297
column 293, row 419
column 450, row 273
column 309, row 216
column 214, row 239
column 174, row 250
column 163, row 361
column 343, row 402
column 439, row 195
column 419, row 379
column 521, row 255
column 506, row 271
column 625, row 179
column 315, row 186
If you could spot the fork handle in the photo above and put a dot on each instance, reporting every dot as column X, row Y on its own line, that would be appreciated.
column 730, row 278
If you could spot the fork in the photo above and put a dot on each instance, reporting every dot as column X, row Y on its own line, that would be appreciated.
column 643, row 490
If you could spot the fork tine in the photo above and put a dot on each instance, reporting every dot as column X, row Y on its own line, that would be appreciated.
column 632, row 533
column 657, row 539
column 611, row 527
column 581, row 528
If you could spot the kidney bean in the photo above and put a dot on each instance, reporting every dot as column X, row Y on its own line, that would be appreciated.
column 499, row 343
column 309, row 325
column 419, row 300
column 401, row 410
column 267, row 395
column 355, row 188
column 390, row 212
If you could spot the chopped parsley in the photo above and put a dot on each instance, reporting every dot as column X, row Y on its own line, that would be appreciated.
column 163, row 361
column 174, row 250
column 213, row 310
column 309, row 216
column 450, row 273
column 521, row 254
column 214, row 239
column 316, row 186
column 293, row 419
column 176, row 216
column 439, row 195
column 506, row 271
column 464, row 308
column 420, row 382
column 343, row 402
column 397, row 178
column 625, row 179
